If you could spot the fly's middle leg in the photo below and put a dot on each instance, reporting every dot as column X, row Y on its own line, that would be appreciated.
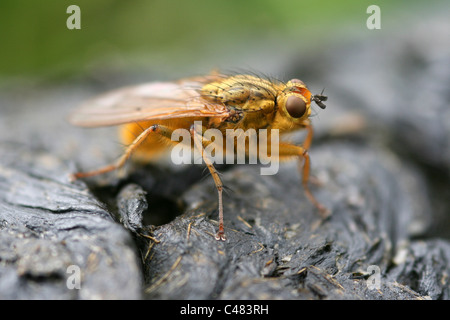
column 200, row 143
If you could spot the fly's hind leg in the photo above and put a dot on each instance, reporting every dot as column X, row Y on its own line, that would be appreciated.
column 158, row 129
column 199, row 143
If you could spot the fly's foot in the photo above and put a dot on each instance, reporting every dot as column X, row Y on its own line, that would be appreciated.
column 220, row 235
column 323, row 211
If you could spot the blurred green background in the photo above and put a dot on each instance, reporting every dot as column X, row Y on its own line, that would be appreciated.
column 179, row 37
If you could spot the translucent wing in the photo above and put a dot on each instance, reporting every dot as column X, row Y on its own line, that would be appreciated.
column 150, row 101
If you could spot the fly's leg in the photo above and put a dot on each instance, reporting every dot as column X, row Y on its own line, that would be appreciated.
column 309, row 136
column 159, row 129
column 199, row 143
column 307, row 144
column 287, row 150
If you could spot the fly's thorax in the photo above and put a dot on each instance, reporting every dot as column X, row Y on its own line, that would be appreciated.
column 240, row 92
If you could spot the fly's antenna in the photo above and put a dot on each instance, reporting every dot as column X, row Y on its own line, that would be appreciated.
column 318, row 98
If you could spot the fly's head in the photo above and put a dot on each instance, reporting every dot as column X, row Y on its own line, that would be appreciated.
column 294, row 102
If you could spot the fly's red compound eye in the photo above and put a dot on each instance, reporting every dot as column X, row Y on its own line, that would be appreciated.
column 295, row 106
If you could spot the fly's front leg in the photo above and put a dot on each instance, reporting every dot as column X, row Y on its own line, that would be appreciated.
column 200, row 143
column 309, row 136
column 288, row 150
column 158, row 129
column 307, row 144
